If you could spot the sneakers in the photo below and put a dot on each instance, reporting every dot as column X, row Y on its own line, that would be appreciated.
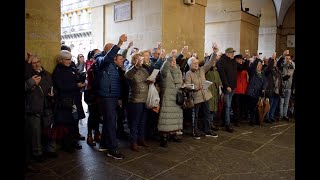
column 102, row 149
column 115, row 154
column 197, row 135
column 211, row 134
column 179, row 133
column 31, row 169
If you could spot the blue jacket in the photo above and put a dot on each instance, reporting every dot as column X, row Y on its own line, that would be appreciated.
column 257, row 82
column 109, row 82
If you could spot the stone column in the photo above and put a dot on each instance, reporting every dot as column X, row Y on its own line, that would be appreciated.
column 43, row 30
column 229, row 26
column 183, row 25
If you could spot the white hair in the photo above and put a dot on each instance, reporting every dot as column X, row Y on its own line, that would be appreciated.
column 64, row 54
column 190, row 61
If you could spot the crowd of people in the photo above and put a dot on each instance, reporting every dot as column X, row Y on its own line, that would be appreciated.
column 223, row 87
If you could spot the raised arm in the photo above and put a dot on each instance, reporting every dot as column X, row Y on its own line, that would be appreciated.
column 212, row 61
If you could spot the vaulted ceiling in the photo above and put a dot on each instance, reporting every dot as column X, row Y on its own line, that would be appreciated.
column 281, row 7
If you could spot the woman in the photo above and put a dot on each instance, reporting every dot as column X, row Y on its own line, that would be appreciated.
column 275, row 87
column 213, row 76
column 137, row 75
column 196, row 76
column 256, row 88
column 68, row 108
column 80, row 63
column 170, row 118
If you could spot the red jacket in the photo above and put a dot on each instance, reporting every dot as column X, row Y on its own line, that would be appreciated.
column 242, row 82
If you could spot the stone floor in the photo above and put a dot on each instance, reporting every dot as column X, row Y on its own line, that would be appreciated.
column 266, row 152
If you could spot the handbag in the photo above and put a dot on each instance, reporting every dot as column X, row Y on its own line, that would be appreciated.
column 188, row 101
column 180, row 98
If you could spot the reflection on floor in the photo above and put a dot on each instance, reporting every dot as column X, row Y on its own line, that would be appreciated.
column 251, row 152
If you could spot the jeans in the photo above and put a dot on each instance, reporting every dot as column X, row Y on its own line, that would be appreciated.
column 137, row 116
column 228, row 100
column 204, row 106
column 274, row 102
column 108, row 137
column 284, row 102
column 213, row 116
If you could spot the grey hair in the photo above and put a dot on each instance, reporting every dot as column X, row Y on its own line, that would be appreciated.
column 64, row 54
column 190, row 61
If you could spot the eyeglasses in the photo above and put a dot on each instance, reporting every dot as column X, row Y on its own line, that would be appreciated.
column 36, row 62
column 68, row 59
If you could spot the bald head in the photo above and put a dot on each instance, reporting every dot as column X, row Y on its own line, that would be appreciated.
column 107, row 47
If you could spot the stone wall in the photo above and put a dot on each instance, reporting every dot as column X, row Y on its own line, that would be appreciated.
column 42, row 30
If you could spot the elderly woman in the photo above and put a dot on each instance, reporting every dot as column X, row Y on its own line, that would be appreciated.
column 137, row 76
column 170, row 118
column 257, row 86
column 196, row 76
column 69, row 109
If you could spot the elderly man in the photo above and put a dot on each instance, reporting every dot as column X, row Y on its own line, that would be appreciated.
column 288, row 68
column 227, row 68
column 39, row 107
column 109, row 91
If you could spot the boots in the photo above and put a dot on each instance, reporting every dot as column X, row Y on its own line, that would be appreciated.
column 134, row 147
column 175, row 138
column 90, row 140
column 163, row 141
column 142, row 143
column 97, row 136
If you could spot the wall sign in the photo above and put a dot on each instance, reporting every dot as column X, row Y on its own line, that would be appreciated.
column 123, row 11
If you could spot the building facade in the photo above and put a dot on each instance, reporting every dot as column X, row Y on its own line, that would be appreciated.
column 76, row 30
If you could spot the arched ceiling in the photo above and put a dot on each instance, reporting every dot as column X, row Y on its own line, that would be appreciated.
column 281, row 6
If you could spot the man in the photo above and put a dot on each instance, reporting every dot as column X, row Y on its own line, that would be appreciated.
column 39, row 109
column 123, row 99
column 109, row 92
column 227, row 68
column 288, row 68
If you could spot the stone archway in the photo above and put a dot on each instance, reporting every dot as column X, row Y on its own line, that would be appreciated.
column 287, row 30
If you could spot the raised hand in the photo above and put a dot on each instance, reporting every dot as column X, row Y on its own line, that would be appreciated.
column 184, row 49
column 123, row 38
column 130, row 44
column 215, row 47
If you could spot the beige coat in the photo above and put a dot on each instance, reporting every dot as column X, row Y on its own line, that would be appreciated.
column 198, row 78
